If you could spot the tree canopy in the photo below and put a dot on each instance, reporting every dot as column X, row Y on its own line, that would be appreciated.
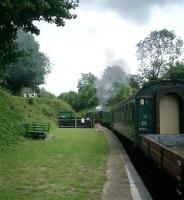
column 156, row 52
column 20, row 14
column 122, row 93
column 30, row 69
column 85, row 80
column 43, row 93
column 134, row 82
column 86, row 95
column 72, row 98
column 175, row 71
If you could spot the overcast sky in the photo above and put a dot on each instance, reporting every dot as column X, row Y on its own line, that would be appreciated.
column 105, row 33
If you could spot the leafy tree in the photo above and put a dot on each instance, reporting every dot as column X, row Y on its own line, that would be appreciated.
column 85, row 80
column 87, row 96
column 46, row 94
column 156, row 51
column 134, row 81
column 175, row 71
column 86, row 91
column 31, row 67
column 122, row 93
column 72, row 98
column 20, row 14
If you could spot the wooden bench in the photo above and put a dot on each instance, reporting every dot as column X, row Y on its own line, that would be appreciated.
column 37, row 130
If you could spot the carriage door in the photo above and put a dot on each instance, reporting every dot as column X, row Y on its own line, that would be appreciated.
column 169, row 114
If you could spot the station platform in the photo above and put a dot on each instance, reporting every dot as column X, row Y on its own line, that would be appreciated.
column 123, row 182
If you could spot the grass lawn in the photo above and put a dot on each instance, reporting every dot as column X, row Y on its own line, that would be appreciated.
column 71, row 166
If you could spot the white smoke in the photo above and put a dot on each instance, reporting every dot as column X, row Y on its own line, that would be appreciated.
column 113, row 77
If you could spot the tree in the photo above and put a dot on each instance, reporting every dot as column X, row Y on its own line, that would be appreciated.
column 122, row 93
column 15, row 15
column 72, row 98
column 134, row 81
column 87, row 96
column 82, row 99
column 31, row 67
column 85, row 80
column 46, row 94
column 175, row 72
column 156, row 52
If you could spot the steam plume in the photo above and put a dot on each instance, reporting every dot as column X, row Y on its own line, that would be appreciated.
column 107, row 85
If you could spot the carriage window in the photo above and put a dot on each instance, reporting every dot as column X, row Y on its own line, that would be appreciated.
column 130, row 110
column 113, row 115
column 142, row 102
column 120, row 113
column 123, row 113
column 116, row 115
column 133, row 112
column 126, row 112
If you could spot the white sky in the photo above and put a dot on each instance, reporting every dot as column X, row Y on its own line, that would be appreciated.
column 101, row 36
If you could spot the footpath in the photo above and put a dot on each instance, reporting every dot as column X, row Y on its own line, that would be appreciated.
column 123, row 182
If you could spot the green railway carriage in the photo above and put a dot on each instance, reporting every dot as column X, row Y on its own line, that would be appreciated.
column 123, row 118
column 157, row 108
column 95, row 116
column 106, row 119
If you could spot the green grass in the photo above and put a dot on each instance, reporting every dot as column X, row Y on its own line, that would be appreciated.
column 69, row 166
column 15, row 112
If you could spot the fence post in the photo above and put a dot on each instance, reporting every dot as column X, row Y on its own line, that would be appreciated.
column 93, row 122
column 75, row 121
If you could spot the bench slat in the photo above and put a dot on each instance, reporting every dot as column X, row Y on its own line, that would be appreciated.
column 37, row 129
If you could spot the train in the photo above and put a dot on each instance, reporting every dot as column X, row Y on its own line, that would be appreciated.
column 157, row 108
column 153, row 120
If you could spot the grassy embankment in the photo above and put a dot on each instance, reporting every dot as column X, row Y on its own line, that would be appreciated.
column 15, row 112
column 69, row 166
